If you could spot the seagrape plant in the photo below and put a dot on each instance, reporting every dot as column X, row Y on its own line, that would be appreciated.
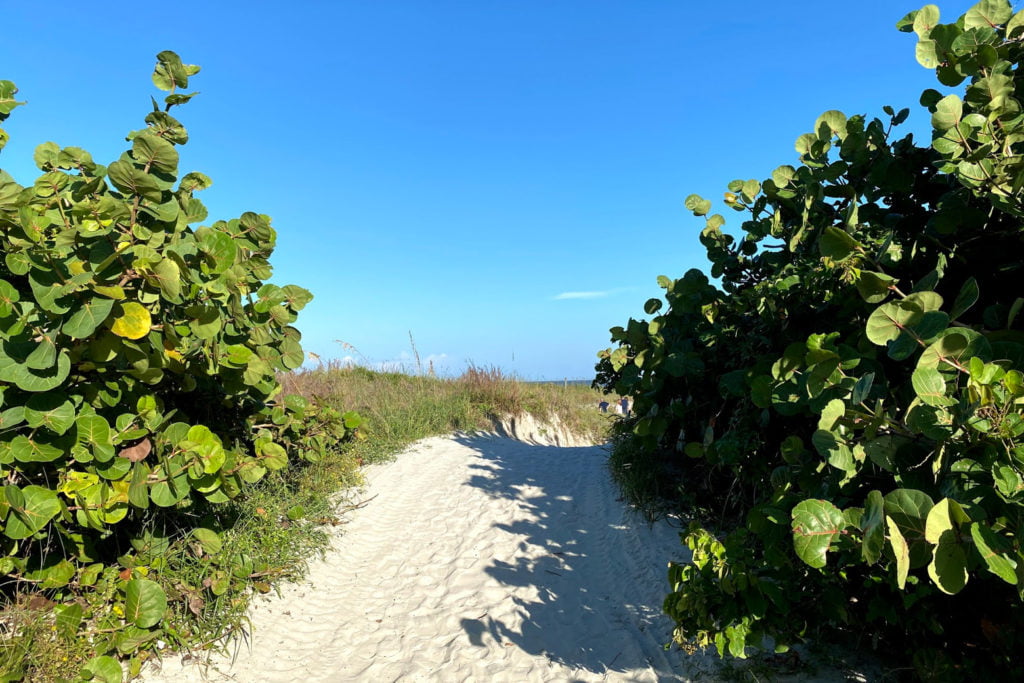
column 138, row 355
column 841, row 399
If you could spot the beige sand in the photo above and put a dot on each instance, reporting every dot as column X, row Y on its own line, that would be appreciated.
column 478, row 558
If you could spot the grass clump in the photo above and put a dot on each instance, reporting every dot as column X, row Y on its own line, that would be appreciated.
column 399, row 409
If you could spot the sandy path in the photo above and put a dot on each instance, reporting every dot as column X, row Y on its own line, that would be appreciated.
column 478, row 559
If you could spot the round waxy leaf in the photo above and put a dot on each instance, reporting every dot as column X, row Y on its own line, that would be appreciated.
column 988, row 13
column 156, row 152
column 816, row 523
column 34, row 449
column 84, row 321
column 930, row 387
column 104, row 669
column 50, row 410
column 8, row 297
column 872, row 524
column 948, row 568
column 272, row 455
column 835, row 243
column 132, row 321
column 887, row 321
column 901, row 550
column 995, row 552
column 697, row 204
column 43, row 356
column 37, row 507
column 145, row 603
column 169, row 278
column 34, row 380
column 296, row 297
column 209, row 539
column 93, row 430
column 131, row 180
column 948, row 113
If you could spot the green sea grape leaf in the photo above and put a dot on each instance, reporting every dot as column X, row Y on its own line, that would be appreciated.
column 170, row 73
column 38, row 506
column 102, row 669
column 930, row 387
column 967, row 297
column 88, row 317
column 948, row 568
column 948, row 113
column 837, row 244
column 138, row 490
column 169, row 277
column 697, row 204
column 1015, row 26
column 927, row 53
column 272, row 456
column 874, row 287
column 816, row 523
column 946, row 515
column 68, row 618
column 922, row 20
column 888, row 321
column 296, row 297
column 27, row 379
column 154, row 151
column 195, row 181
column 134, row 181
column 994, row 550
column 209, row 539
column 93, row 430
column 873, row 526
column 900, row 550
column 862, row 388
column 8, row 297
column 145, row 603
column 909, row 508
column 988, row 14
column 952, row 349
column 51, row 410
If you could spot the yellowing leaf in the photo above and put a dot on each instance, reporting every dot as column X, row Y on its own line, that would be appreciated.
column 111, row 291
column 134, row 322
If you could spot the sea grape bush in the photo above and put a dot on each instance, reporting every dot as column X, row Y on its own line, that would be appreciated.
column 847, row 399
column 138, row 358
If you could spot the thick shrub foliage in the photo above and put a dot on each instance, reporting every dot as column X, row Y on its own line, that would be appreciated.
column 137, row 367
column 844, row 395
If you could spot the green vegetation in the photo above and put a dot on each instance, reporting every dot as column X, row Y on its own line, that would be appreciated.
column 844, row 403
column 138, row 361
column 271, row 531
column 399, row 408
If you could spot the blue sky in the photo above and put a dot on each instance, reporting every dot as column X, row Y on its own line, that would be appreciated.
column 504, row 180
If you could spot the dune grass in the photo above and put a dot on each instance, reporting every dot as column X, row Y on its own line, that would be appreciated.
column 285, row 519
column 401, row 408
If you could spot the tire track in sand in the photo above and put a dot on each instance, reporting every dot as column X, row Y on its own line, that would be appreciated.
column 478, row 559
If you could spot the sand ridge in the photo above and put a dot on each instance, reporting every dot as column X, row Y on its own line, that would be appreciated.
column 477, row 558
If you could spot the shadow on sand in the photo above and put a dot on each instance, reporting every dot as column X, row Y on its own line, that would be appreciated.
column 595, row 573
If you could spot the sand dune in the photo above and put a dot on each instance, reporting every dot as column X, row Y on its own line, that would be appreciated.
column 478, row 558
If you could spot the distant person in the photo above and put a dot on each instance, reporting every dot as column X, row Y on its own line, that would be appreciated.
column 603, row 405
column 625, row 406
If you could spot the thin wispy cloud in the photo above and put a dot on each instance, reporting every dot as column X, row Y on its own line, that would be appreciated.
column 581, row 295
column 591, row 295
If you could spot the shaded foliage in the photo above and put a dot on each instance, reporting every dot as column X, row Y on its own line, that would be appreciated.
column 844, row 393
